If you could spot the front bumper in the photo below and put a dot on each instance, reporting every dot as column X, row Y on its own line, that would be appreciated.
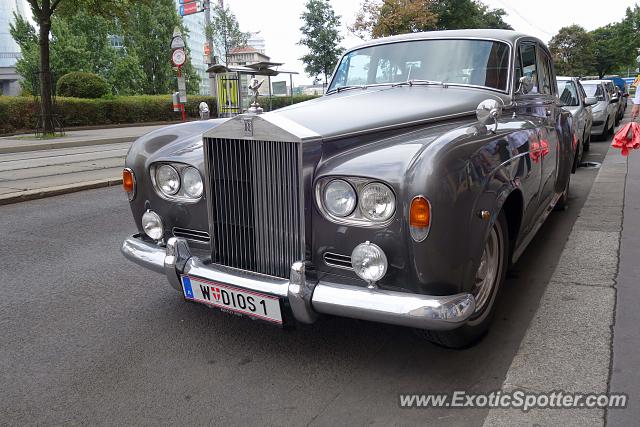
column 308, row 298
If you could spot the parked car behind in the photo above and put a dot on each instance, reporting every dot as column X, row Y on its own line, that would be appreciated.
column 575, row 100
column 623, row 92
column 401, row 196
column 604, row 111
column 615, row 93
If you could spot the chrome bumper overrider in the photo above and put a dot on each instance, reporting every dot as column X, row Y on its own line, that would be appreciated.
column 306, row 298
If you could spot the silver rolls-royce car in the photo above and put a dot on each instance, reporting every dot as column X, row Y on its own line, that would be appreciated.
column 400, row 196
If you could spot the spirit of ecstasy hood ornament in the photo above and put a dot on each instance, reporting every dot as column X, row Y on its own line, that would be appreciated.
column 254, row 87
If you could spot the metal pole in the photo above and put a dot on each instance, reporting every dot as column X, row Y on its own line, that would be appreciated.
column 207, row 21
column 270, row 96
column 184, row 114
column 291, row 86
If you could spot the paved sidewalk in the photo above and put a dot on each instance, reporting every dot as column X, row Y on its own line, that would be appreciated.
column 31, row 168
column 625, row 376
column 579, row 329
column 78, row 138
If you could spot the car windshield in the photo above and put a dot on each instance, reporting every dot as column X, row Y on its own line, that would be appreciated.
column 568, row 94
column 469, row 62
column 594, row 90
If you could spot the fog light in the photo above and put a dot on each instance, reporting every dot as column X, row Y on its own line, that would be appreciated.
column 369, row 262
column 152, row 225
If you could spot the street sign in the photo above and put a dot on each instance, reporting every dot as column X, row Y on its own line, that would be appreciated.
column 182, row 89
column 177, row 43
column 191, row 8
column 178, row 57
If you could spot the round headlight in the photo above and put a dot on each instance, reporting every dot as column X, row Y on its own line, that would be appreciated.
column 168, row 179
column 377, row 202
column 369, row 262
column 152, row 225
column 192, row 182
column 339, row 198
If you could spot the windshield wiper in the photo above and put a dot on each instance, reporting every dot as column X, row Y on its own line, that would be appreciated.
column 343, row 88
column 417, row 82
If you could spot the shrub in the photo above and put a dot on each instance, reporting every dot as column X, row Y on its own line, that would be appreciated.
column 79, row 84
column 20, row 113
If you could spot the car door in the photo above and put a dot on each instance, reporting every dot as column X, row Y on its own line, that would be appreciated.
column 530, row 114
column 551, row 111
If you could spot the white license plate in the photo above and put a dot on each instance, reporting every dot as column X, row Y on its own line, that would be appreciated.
column 237, row 300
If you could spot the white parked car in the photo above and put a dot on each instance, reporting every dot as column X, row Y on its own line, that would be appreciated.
column 605, row 110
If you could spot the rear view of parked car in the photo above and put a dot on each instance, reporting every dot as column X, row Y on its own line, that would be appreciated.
column 605, row 109
column 575, row 100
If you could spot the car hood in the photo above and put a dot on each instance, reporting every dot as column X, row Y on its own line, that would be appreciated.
column 369, row 110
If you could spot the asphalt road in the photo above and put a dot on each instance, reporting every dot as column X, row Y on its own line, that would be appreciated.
column 87, row 337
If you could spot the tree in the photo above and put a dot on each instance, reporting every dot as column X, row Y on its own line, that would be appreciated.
column 458, row 14
column 81, row 41
column 321, row 36
column 147, row 33
column 380, row 18
column 607, row 49
column 225, row 33
column 573, row 51
column 78, row 42
column 394, row 17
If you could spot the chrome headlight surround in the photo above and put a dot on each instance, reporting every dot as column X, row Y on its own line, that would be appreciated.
column 357, row 216
column 181, row 194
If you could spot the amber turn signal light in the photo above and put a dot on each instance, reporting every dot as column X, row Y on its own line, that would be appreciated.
column 420, row 213
column 129, row 182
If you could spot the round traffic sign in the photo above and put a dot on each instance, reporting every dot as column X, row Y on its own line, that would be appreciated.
column 178, row 57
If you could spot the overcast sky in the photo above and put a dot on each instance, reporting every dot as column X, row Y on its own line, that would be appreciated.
column 279, row 21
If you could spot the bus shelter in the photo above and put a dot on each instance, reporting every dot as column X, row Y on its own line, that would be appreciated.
column 232, row 86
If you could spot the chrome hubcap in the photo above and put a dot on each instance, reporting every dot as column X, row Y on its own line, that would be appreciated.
column 487, row 272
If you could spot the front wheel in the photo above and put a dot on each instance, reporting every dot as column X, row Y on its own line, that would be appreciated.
column 489, row 278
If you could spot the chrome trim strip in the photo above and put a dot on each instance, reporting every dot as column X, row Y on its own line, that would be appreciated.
column 335, row 256
column 307, row 298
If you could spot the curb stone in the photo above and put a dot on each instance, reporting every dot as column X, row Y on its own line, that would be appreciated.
column 568, row 343
column 40, row 193
column 10, row 149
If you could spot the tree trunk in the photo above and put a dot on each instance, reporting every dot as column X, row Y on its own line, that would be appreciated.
column 45, row 77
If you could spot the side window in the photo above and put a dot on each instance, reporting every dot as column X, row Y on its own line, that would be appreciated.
column 528, row 63
column 544, row 77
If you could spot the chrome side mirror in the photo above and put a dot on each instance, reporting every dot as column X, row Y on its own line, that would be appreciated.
column 525, row 85
column 590, row 100
column 489, row 111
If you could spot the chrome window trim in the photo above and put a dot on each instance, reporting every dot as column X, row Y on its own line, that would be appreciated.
column 507, row 90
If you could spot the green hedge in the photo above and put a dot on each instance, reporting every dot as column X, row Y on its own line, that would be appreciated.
column 82, row 85
column 20, row 113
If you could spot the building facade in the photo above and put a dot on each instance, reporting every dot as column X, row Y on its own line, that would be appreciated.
column 245, row 55
column 9, row 49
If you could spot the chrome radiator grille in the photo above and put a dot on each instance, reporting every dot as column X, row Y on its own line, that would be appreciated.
column 255, row 216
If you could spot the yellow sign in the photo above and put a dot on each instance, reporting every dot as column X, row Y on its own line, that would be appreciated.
column 228, row 94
